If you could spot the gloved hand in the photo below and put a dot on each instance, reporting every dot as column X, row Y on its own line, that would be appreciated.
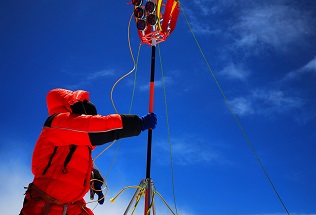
column 149, row 121
column 98, row 191
column 97, row 184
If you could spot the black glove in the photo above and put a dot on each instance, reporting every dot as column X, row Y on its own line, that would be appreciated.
column 98, row 191
column 149, row 121
column 97, row 184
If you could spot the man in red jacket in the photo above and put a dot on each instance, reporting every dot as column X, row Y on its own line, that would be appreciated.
column 62, row 161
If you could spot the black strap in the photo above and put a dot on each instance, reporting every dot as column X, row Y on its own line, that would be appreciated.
column 49, row 120
column 50, row 160
column 72, row 150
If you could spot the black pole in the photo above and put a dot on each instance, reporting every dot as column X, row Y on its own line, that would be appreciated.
column 148, row 193
column 151, row 108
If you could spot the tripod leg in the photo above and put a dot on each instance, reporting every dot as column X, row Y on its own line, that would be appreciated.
column 149, row 199
column 153, row 202
column 131, row 202
column 134, row 197
column 152, row 197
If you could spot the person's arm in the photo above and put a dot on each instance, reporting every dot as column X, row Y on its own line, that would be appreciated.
column 97, row 129
column 132, row 125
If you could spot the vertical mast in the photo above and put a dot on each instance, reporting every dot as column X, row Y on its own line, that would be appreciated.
column 151, row 110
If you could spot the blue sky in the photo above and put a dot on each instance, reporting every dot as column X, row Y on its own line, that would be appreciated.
column 263, row 55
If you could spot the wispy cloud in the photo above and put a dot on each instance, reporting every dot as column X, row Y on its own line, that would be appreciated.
column 208, row 7
column 85, row 79
column 100, row 74
column 235, row 71
column 275, row 101
column 242, row 106
column 12, row 189
column 275, row 25
column 202, row 7
column 158, row 84
column 253, row 25
column 189, row 150
column 15, row 175
column 200, row 25
column 266, row 103
column 301, row 77
column 310, row 67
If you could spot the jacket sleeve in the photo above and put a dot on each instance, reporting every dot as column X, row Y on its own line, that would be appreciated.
column 92, row 130
column 131, row 127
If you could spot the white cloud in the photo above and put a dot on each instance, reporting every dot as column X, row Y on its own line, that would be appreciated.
column 190, row 154
column 200, row 26
column 201, row 5
column 100, row 74
column 276, row 100
column 207, row 7
column 158, row 84
column 86, row 79
column 253, row 25
column 235, row 71
column 15, row 175
column 189, row 150
column 310, row 67
column 273, row 24
column 242, row 106
column 266, row 103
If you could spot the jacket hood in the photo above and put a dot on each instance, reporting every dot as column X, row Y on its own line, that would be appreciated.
column 59, row 100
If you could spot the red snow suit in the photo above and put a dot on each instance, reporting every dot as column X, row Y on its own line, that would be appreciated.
column 62, row 161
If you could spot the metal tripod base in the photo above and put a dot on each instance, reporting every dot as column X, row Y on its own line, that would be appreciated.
column 145, row 188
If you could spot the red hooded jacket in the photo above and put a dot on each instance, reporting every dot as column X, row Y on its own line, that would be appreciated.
column 62, row 161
